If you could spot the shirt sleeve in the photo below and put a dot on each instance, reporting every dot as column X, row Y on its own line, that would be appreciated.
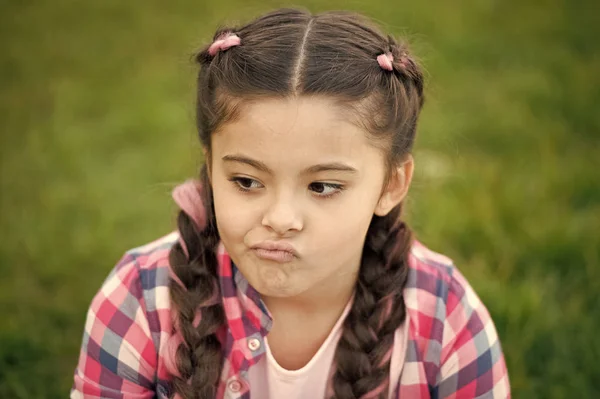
column 118, row 357
column 472, row 364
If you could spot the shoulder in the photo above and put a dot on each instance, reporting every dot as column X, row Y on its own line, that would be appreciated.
column 448, row 323
column 431, row 276
column 142, row 272
column 435, row 276
column 151, row 262
column 137, row 286
column 136, row 291
column 127, row 324
column 438, row 298
column 451, row 334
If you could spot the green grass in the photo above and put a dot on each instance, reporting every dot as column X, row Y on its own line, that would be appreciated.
column 96, row 111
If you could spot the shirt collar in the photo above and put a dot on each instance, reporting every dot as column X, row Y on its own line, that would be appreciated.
column 245, row 312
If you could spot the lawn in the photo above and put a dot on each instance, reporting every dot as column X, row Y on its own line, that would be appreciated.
column 97, row 119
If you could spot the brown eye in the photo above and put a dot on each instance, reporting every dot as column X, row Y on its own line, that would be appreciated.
column 245, row 183
column 317, row 187
column 325, row 189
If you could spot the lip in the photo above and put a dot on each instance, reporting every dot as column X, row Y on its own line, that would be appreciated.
column 277, row 251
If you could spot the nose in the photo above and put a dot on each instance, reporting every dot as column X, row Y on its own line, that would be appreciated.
column 283, row 216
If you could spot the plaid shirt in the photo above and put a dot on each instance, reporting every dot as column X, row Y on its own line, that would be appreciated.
column 452, row 348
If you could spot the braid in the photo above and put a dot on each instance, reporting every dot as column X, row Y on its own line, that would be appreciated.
column 198, row 358
column 363, row 354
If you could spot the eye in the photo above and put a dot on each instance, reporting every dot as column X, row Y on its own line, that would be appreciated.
column 325, row 189
column 245, row 184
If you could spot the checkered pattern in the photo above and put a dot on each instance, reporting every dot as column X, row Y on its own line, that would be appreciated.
column 452, row 348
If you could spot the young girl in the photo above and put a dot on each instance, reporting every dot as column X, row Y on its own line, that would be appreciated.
column 292, row 274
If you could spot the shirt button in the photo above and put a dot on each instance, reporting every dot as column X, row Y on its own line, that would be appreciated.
column 235, row 386
column 253, row 344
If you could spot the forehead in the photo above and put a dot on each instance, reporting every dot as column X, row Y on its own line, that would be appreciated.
column 299, row 131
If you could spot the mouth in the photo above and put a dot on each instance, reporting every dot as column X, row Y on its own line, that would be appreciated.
column 275, row 251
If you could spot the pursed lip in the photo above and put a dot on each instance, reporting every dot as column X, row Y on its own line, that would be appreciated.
column 278, row 251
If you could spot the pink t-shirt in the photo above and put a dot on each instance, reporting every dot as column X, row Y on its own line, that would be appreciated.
column 268, row 380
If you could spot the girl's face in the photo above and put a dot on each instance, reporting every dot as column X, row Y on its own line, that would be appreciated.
column 295, row 187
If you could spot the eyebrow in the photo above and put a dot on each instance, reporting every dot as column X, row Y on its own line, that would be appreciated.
column 322, row 167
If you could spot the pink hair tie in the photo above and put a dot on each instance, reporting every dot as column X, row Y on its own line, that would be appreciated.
column 385, row 61
column 226, row 41
column 188, row 196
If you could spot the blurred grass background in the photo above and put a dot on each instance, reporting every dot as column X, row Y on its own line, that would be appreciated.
column 96, row 112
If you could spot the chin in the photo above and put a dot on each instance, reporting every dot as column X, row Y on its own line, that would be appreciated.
column 267, row 290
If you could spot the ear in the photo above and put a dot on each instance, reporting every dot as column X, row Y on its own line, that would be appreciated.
column 397, row 187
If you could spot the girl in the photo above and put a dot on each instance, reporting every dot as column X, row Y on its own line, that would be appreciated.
column 292, row 274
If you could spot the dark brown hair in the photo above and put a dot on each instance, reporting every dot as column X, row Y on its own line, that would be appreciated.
column 289, row 53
